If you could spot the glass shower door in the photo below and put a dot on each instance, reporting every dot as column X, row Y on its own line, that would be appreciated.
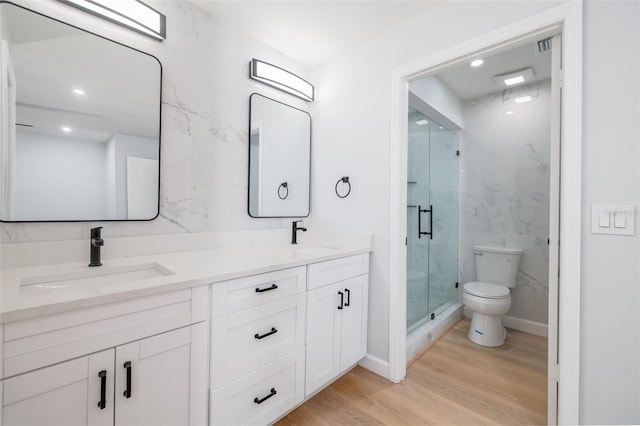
column 417, row 199
column 443, row 194
column 432, row 219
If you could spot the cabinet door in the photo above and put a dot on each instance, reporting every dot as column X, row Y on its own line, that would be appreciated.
column 159, row 379
column 353, row 345
column 64, row 394
column 323, row 336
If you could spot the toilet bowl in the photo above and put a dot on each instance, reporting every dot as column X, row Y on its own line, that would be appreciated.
column 488, row 302
column 489, row 297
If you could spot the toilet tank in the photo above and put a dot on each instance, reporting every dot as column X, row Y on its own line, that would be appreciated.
column 497, row 265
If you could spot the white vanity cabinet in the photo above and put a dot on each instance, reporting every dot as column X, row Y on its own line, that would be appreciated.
column 141, row 361
column 257, row 347
column 336, row 329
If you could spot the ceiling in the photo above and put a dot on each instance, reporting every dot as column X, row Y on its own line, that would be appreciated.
column 313, row 31
column 470, row 83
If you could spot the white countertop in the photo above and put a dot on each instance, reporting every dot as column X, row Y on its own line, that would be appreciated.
column 190, row 269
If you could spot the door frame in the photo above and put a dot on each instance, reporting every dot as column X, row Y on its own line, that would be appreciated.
column 567, row 20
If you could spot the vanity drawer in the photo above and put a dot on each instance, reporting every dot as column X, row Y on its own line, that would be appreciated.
column 242, row 293
column 38, row 342
column 246, row 340
column 332, row 271
column 247, row 400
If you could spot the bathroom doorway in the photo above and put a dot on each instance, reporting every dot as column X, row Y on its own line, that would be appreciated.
column 432, row 217
column 565, row 212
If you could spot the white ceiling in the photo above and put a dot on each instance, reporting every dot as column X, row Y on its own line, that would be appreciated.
column 470, row 83
column 313, row 31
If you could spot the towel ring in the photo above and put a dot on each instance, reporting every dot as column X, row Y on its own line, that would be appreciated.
column 286, row 190
column 344, row 179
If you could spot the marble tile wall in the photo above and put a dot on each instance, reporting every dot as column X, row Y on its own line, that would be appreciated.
column 504, row 189
column 205, row 109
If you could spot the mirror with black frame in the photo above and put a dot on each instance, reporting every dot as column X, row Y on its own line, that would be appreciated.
column 80, row 123
column 279, row 159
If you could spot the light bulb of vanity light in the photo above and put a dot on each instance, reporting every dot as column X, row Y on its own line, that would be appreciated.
column 523, row 99
column 477, row 63
column 79, row 92
column 132, row 14
column 282, row 79
column 65, row 129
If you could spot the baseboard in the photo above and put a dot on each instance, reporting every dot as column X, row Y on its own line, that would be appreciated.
column 376, row 365
column 527, row 326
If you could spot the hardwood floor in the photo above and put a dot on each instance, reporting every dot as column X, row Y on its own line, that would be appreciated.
column 454, row 382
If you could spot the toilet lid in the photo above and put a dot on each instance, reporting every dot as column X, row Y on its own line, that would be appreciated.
column 490, row 291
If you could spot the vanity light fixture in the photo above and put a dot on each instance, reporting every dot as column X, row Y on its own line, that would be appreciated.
column 523, row 99
column 66, row 129
column 514, row 78
column 281, row 79
column 422, row 122
column 79, row 92
column 132, row 14
column 477, row 63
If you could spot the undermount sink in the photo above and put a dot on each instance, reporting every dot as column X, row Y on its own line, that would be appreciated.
column 313, row 250
column 94, row 277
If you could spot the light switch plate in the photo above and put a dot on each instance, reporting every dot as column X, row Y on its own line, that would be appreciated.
column 622, row 219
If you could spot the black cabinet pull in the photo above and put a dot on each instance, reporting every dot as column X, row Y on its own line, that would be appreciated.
column 260, row 290
column 261, row 400
column 348, row 296
column 103, row 389
column 341, row 300
column 127, row 392
column 273, row 331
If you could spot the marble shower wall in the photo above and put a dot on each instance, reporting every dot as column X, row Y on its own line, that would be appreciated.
column 205, row 113
column 504, row 189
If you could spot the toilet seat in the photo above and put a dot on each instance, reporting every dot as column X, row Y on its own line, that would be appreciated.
column 486, row 290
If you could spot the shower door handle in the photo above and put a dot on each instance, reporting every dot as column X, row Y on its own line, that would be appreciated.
column 420, row 231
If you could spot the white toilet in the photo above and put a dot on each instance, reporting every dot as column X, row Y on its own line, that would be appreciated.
column 489, row 297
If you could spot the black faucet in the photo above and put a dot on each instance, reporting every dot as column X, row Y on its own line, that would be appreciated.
column 96, row 243
column 294, row 231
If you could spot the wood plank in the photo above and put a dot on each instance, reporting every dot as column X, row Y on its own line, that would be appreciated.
column 454, row 382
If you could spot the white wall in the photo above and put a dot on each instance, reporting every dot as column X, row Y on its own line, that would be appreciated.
column 504, row 189
column 64, row 179
column 610, row 310
column 439, row 97
column 205, row 116
column 352, row 120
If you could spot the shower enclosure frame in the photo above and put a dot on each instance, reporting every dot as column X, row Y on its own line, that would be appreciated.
column 432, row 186
column 564, row 300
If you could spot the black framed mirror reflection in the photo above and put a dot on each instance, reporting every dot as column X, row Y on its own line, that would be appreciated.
column 279, row 159
column 80, row 123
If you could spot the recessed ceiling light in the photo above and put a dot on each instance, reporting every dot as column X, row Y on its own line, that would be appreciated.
column 422, row 122
column 523, row 99
column 477, row 63
column 66, row 129
column 513, row 78
column 79, row 92
column 509, row 112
